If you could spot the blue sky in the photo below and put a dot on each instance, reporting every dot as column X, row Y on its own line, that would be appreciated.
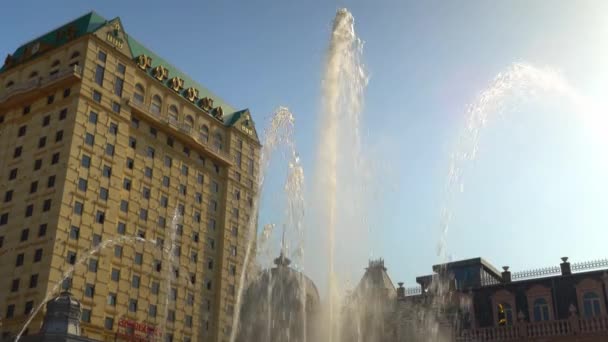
column 537, row 191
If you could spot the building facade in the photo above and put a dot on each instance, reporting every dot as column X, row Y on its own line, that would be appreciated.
column 102, row 141
column 471, row 301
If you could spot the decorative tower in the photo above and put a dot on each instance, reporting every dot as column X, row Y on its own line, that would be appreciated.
column 62, row 316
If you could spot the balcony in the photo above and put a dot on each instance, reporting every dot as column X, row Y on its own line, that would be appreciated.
column 32, row 88
column 523, row 331
column 184, row 131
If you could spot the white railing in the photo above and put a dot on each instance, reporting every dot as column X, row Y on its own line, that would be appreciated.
column 544, row 329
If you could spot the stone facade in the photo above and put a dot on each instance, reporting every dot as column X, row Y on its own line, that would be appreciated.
column 101, row 139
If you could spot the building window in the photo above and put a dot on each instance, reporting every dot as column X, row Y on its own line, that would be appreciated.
column 124, row 206
column 26, row 109
column 168, row 161
column 13, row 174
column 63, row 114
column 22, row 131
column 109, row 149
column 50, row 99
column 541, row 310
column 103, row 193
column 19, row 260
column 133, row 305
column 86, row 315
column 58, row 136
column 82, row 184
column 148, row 172
column 74, row 233
column 134, row 122
column 130, row 163
column 204, row 133
column 29, row 210
column 78, row 208
column 126, row 184
column 55, row 158
column 121, row 228
column 107, row 171
column 66, row 92
column 10, row 311
column 115, row 274
column 8, row 196
column 96, row 96
column 99, row 72
column 108, row 323
column 591, row 305
column 166, row 181
column 146, row 193
column 162, row 222
column 215, row 187
column 101, row 56
column 112, row 299
column 89, row 139
column 93, row 265
column 138, row 95
column 132, row 142
column 17, row 152
column 100, row 217
column 150, row 152
column 156, row 104
column 115, row 107
column 50, row 182
column 139, row 258
column 118, row 251
column 33, row 187
column 113, row 128
column 152, row 310
column 135, row 281
column 42, row 230
column 33, row 281
column 15, row 285
column 89, row 290
column 25, row 234
column 118, row 84
column 46, row 205
column 184, row 170
column 41, row 142
column 217, row 141
column 46, row 121
column 3, row 219
column 71, row 257
column 66, row 284
column 38, row 255
column 155, row 287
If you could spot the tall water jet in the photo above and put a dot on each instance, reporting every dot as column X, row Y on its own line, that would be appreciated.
column 339, row 150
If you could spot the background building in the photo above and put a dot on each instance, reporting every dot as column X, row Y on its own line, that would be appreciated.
column 101, row 139
column 471, row 301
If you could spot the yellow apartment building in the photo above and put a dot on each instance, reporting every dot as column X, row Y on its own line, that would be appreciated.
column 101, row 139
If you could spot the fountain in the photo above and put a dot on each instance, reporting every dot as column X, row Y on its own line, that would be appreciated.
column 339, row 156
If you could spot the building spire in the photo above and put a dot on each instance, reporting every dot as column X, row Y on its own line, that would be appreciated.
column 282, row 260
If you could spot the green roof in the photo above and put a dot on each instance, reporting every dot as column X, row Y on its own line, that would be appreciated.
column 137, row 49
column 91, row 22
column 88, row 23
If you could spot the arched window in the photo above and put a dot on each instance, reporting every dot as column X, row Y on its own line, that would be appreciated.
column 204, row 133
column 541, row 310
column 75, row 54
column 217, row 141
column 505, row 314
column 9, row 84
column 34, row 74
column 591, row 304
column 173, row 113
column 189, row 121
column 156, row 104
column 138, row 95
column 55, row 63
